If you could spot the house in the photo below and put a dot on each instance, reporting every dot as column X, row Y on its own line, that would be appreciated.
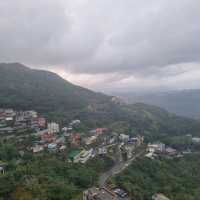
column 100, row 131
column 170, row 151
column 91, row 140
column 124, row 138
column 7, row 130
column 41, row 122
column 85, row 156
column 159, row 197
column 53, row 127
column 62, row 148
column 37, row 148
column 48, row 137
column 196, row 140
column 52, row 146
column 156, row 148
column 76, row 139
column 75, row 122
column 99, row 194
column 60, row 140
column 102, row 151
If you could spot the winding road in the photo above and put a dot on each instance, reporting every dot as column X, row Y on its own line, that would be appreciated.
column 117, row 168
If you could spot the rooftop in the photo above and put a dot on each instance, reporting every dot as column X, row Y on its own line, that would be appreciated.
column 100, row 194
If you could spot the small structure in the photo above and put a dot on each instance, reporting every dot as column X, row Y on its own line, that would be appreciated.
column 102, row 151
column 196, row 140
column 52, row 146
column 159, row 197
column 53, row 127
column 41, row 122
column 37, row 148
column 2, row 167
column 170, row 151
column 76, row 139
column 85, row 156
column 124, row 138
column 99, row 194
column 91, row 140
column 157, row 148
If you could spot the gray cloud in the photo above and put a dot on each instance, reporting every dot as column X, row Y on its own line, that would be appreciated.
column 125, row 43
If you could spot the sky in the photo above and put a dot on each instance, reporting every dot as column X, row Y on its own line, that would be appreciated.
column 106, row 45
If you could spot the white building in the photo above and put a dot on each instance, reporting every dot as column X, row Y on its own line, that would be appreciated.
column 86, row 156
column 75, row 122
column 124, row 138
column 196, row 140
column 53, row 127
column 91, row 140
column 159, row 147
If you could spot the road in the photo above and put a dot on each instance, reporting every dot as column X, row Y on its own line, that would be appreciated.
column 119, row 167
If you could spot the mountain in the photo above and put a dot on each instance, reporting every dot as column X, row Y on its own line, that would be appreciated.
column 58, row 99
column 183, row 102
column 25, row 88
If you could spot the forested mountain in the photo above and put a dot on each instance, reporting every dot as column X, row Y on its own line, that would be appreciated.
column 24, row 88
column 46, row 92
column 182, row 102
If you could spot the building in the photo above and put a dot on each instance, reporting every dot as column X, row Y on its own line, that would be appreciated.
column 53, row 127
column 102, row 151
column 75, row 122
column 2, row 167
column 37, row 148
column 100, row 131
column 124, row 138
column 48, row 137
column 52, row 146
column 76, row 139
column 91, row 140
column 170, row 151
column 85, row 156
column 156, row 148
column 41, row 122
column 196, row 140
column 99, row 194
column 159, row 197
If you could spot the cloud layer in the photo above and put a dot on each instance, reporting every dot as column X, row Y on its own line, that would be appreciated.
column 106, row 44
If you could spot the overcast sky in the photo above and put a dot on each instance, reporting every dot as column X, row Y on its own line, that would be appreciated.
column 106, row 45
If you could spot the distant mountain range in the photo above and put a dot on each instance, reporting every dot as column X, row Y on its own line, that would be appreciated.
column 184, row 102
column 46, row 92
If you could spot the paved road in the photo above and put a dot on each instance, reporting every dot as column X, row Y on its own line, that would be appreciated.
column 119, row 166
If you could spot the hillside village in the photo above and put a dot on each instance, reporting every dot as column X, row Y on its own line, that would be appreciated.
column 79, row 147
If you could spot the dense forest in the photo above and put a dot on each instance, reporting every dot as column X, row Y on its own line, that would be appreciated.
column 177, row 178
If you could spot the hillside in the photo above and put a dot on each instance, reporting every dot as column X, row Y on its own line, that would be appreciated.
column 183, row 102
column 46, row 92
column 24, row 88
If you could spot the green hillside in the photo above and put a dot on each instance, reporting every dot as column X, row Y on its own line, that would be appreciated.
column 46, row 92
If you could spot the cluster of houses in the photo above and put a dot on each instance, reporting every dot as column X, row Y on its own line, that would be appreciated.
column 55, row 138
column 160, row 149
column 12, row 121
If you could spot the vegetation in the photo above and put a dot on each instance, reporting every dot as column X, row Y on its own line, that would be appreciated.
column 46, row 175
column 54, row 97
column 182, row 102
column 177, row 178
